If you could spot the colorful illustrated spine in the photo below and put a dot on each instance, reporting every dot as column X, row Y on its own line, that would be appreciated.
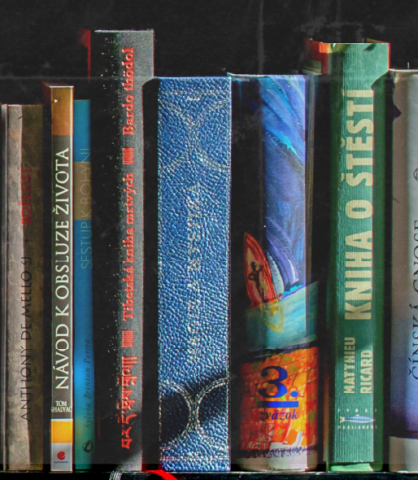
column 122, row 61
column 279, row 370
column 356, row 281
column 22, row 287
column 404, row 355
column 279, row 411
column 62, row 125
column 194, row 145
column 84, row 418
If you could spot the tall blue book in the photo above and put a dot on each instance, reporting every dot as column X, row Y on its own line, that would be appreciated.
column 84, row 427
column 194, row 153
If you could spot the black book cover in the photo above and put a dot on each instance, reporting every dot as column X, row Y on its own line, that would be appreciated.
column 121, row 62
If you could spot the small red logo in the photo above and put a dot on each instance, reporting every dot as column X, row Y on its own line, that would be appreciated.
column 61, row 455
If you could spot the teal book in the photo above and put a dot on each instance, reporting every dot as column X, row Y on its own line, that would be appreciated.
column 84, row 426
column 356, row 282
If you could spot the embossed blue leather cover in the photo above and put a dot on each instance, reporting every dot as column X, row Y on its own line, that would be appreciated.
column 194, row 150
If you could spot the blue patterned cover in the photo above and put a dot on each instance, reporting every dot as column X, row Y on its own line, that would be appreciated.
column 194, row 150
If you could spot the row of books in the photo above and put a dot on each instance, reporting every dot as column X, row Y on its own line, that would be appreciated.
column 40, row 276
column 202, row 231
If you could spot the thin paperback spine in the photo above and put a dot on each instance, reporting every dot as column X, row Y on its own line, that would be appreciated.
column 22, row 292
column 194, row 144
column 84, row 417
column 122, row 61
column 403, row 439
column 62, row 125
column 4, row 201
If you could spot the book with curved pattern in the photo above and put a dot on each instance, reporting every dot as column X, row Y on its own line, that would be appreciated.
column 194, row 154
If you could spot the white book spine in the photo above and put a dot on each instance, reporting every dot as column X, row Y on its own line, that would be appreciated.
column 404, row 351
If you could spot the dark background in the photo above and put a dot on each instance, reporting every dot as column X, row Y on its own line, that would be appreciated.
column 194, row 37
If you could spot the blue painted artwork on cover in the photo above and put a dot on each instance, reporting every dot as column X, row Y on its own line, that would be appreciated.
column 276, row 278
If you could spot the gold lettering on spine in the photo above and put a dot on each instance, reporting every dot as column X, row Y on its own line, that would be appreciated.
column 61, row 279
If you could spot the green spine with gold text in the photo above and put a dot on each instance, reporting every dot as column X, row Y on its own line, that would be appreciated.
column 356, row 268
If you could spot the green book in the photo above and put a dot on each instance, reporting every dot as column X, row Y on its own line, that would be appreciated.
column 355, row 291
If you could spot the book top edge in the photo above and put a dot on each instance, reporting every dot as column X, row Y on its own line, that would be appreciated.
column 14, row 105
column 404, row 71
column 148, row 30
column 342, row 44
column 241, row 76
column 220, row 79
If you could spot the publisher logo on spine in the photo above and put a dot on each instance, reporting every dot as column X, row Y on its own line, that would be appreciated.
column 88, row 446
column 61, row 455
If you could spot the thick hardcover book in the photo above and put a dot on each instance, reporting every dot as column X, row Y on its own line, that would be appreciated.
column 271, row 227
column 356, row 288
column 194, row 154
column 84, row 418
column 62, row 124
column 122, row 61
column 403, row 429
column 22, row 286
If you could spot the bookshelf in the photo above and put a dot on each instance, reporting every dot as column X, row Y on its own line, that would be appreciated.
column 193, row 38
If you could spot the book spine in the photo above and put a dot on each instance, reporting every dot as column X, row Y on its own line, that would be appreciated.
column 317, row 59
column 404, row 353
column 356, row 268
column 122, row 61
column 84, row 423
column 3, row 279
column 279, row 423
column 62, row 125
column 194, row 141
column 279, row 429
column 22, row 293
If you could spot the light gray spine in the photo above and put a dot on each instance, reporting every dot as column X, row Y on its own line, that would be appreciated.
column 22, row 288
column 404, row 371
